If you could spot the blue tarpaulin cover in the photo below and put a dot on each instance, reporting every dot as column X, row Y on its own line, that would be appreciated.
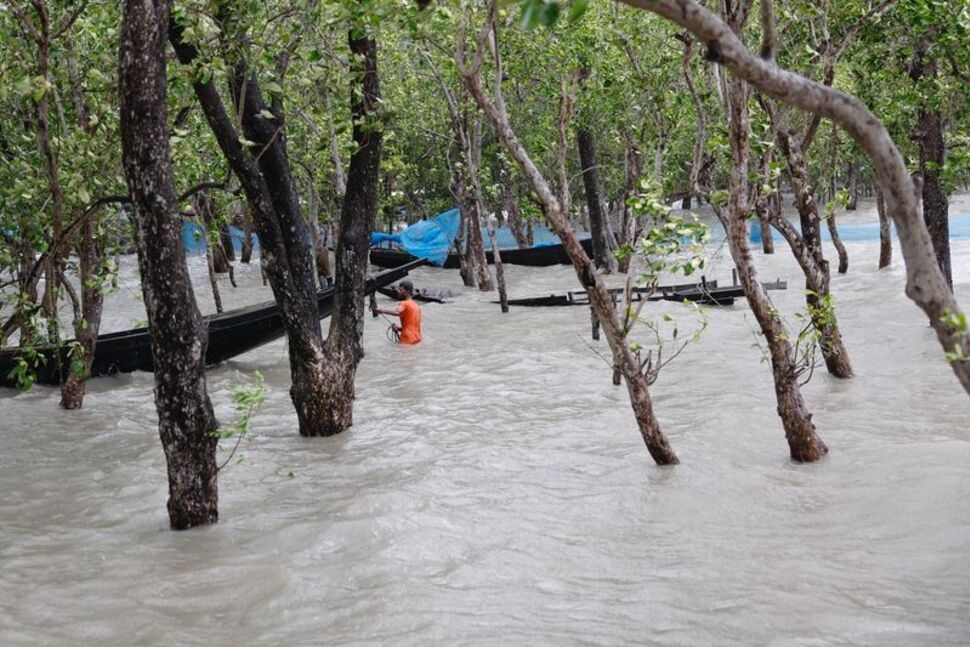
column 193, row 238
column 431, row 239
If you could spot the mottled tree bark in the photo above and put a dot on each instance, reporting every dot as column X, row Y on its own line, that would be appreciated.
column 178, row 337
column 602, row 258
column 86, row 326
column 284, row 238
column 932, row 157
column 332, row 400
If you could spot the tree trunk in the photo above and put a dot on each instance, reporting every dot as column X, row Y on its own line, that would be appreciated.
column 762, row 203
column 205, row 207
column 589, row 278
column 602, row 258
column 476, row 245
column 853, row 173
column 178, row 337
column 885, row 233
column 332, row 399
column 817, row 275
column 246, row 254
column 503, row 297
column 284, row 237
column 86, row 329
column 932, row 156
column 804, row 443
column 633, row 167
column 839, row 245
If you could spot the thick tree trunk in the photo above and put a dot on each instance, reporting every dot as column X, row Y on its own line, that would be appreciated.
column 284, row 237
column 602, row 258
column 332, row 399
column 178, row 337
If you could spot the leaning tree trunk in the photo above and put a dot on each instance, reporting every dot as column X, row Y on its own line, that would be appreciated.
column 804, row 443
column 284, row 238
column 589, row 278
column 178, row 335
column 925, row 284
column 817, row 275
column 602, row 258
column 344, row 348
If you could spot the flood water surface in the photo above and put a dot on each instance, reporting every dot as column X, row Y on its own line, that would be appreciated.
column 494, row 490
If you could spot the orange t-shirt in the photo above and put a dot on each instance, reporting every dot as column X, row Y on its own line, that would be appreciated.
column 410, row 314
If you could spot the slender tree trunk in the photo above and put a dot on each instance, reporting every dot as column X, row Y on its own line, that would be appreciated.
column 86, row 329
column 178, row 336
column 633, row 167
column 589, row 278
column 476, row 244
column 513, row 213
column 804, row 443
column 853, row 174
column 594, row 201
column 817, row 275
column 762, row 203
column 830, row 221
column 246, row 254
column 885, row 233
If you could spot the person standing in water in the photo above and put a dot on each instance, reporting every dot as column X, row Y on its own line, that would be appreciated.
column 409, row 312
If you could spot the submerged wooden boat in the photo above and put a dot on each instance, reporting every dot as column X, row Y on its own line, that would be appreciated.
column 541, row 256
column 230, row 334
column 705, row 293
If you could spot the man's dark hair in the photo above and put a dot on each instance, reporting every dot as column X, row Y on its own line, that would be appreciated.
column 406, row 285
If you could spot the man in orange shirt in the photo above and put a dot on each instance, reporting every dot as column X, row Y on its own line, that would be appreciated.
column 410, row 314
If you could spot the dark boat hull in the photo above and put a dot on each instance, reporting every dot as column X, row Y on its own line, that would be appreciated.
column 230, row 334
column 532, row 256
column 707, row 293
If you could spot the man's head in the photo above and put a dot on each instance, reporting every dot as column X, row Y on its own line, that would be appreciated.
column 405, row 287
